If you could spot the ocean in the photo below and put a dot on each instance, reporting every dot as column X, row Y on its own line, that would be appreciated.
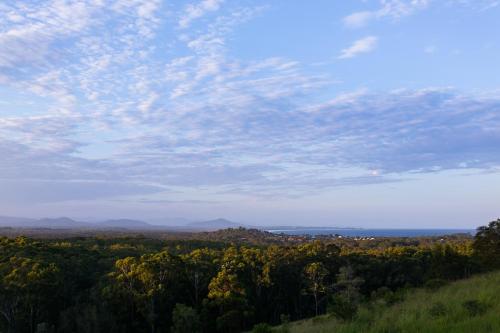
column 372, row 232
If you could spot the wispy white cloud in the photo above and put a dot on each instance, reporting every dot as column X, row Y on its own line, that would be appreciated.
column 358, row 19
column 28, row 37
column 397, row 9
column 363, row 45
column 29, row 191
column 195, row 11
column 394, row 9
column 119, row 106
column 480, row 5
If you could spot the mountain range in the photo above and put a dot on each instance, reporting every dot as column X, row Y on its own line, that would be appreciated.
column 68, row 223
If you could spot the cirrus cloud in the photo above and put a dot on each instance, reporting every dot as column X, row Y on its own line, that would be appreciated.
column 360, row 46
column 124, row 106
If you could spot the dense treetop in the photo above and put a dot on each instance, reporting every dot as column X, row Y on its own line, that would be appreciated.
column 225, row 281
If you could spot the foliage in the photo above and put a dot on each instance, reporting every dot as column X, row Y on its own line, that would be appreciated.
column 262, row 328
column 135, row 283
column 185, row 320
column 487, row 244
column 423, row 310
column 342, row 307
column 438, row 309
column 386, row 296
column 475, row 307
column 434, row 284
column 315, row 274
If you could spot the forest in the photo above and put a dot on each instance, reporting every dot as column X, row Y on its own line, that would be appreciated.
column 228, row 281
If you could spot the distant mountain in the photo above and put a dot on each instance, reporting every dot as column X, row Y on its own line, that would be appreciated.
column 54, row 223
column 216, row 224
column 124, row 223
column 9, row 221
column 169, row 221
column 61, row 223
column 68, row 223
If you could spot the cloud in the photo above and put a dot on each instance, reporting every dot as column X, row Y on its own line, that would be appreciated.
column 358, row 19
column 28, row 38
column 39, row 191
column 491, row 5
column 418, row 131
column 195, row 11
column 363, row 45
column 480, row 5
column 394, row 9
column 121, row 110
column 397, row 9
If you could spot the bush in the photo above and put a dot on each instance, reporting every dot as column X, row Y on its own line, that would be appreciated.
column 319, row 319
column 262, row 328
column 185, row 320
column 342, row 308
column 285, row 324
column 487, row 245
column 387, row 296
column 283, row 329
column 475, row 307
column 230, row 321
column 434, row 284
column 391, row 329
column 284, row 319
column 438, row 310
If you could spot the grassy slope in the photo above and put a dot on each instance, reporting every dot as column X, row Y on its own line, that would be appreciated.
column 413, row 315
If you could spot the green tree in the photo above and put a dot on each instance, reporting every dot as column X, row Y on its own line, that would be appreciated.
column 25, row 285
column 348, row 283
column 487, row 245
column 315, row 274
column 185, row 320
column 344, row 303
column 149, row 283
column 200, row 266
column 262, row 328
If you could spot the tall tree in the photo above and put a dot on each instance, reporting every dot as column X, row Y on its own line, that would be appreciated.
column 487, row 245
column 315, row 274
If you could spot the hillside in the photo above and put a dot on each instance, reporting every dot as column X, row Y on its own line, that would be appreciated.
column 68, row 223
column 216, row 224
column 452, row 308
column 124, row 223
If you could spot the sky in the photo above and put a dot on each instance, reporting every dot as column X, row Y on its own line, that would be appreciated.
column 374, row 113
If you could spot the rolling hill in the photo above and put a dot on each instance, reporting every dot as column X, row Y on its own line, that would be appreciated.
column 216, row 224
column 125, row 224
column 68, row 223
column 465, row 306
column 51, row 223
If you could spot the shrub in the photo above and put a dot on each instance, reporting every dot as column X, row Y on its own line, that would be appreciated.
column 262, row 328
column 285, row 328
column 285, row 324
column 342, row 308
column 319, row 319
column 284, row 319
column 434, row 284
column 487, row 245
column 230, row 321
column 185, row 320
column 475, row 307
column 387, row 296
column 391, row 329
column 438, row 310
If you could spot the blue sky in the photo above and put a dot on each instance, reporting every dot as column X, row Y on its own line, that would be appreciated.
column 376, row 113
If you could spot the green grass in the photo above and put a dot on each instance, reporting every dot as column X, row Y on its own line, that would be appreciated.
column 425, row 311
